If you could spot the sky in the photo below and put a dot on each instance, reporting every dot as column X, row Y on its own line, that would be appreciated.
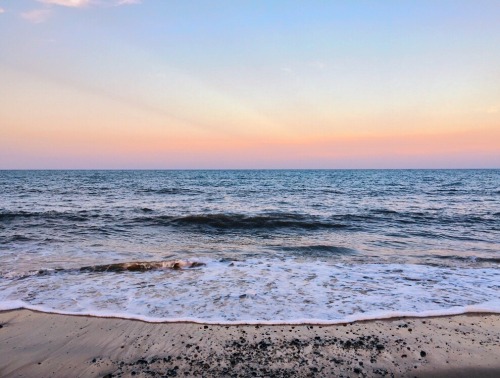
column 165, row 84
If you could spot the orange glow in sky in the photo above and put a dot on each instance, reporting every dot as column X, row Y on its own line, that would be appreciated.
column 282, row 85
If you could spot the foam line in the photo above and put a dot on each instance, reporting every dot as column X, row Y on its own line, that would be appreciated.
column 474, row 309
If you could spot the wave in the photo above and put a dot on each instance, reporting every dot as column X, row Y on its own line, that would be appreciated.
column 437, row 218
column 15, row 239
column 135, row 266
column 80, row 216
column 317, row 250
column 469, row 259
column 142, row 266
column 270, row 221
column 171, row 191
column 243, row 222
column 271, row 291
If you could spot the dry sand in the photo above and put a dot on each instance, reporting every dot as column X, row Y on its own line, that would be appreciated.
column 43, row 345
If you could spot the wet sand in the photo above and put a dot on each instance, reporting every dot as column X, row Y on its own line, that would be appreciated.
column 36, row 344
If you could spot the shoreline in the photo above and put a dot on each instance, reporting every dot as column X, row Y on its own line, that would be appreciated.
column 43, row 344
column 457, row 311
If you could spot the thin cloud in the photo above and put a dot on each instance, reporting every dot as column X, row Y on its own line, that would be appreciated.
column 128, row 2
column 2, row 10
column 36, row 16
column 317, row 64
column 66, row 3
column 85, row 3
column 493, row 109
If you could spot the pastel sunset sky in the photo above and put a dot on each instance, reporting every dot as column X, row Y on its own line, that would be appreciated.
column 249, row 84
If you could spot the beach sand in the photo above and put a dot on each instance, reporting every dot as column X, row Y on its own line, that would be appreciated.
column 34, row 344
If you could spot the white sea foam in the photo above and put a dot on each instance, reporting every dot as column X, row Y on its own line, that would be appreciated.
column 261, row 291
column 483, row 309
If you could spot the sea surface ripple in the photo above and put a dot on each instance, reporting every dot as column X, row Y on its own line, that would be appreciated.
column 251, row 246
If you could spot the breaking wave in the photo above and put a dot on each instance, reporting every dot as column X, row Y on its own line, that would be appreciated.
column 136, row 266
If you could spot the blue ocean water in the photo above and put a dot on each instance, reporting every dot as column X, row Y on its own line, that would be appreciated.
column 251, row 246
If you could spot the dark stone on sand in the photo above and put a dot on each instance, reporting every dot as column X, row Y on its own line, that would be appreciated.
column 423, row 354
column 380, row 371
column 380, row 347
column 263, row 345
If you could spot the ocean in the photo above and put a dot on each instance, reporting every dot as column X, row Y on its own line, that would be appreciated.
column 251, row 246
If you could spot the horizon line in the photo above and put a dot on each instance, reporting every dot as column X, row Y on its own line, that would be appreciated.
column 249, row 169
